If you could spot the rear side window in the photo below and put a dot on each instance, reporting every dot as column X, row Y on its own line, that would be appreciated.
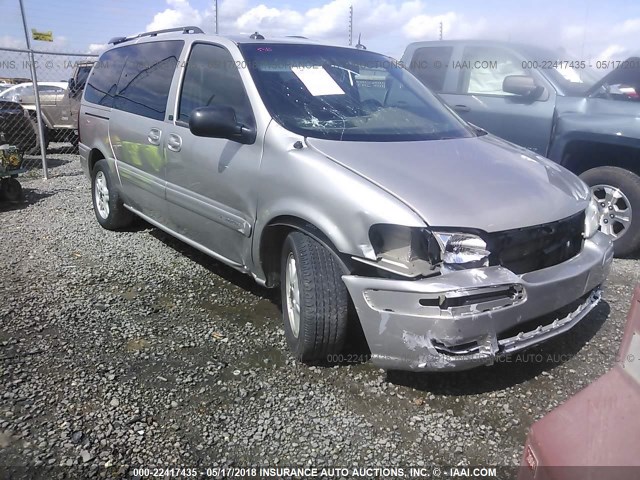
column 135, row 78
column 146, row 78
column 212, row 78
column 429, row 65
column 103, row 82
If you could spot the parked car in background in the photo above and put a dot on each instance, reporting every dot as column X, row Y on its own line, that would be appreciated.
column 332, row 172
column 60, row 123
column 15, row 126
column 4, row 86
column 553, row 105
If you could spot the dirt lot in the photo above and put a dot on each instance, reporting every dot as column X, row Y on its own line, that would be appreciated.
column 132, row 349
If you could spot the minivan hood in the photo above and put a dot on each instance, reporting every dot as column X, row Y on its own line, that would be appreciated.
column 482, row 182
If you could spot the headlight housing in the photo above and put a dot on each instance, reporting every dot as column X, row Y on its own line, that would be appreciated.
column 591, row 218
column 406, row 251
column 461, row 251
column 413, row 252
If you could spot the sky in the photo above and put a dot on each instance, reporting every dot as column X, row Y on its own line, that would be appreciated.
column 587, row 29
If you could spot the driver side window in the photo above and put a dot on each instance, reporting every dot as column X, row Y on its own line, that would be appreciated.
column 212, row 78
column 484, row 69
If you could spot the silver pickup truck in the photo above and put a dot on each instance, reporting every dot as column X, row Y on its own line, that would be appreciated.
column 60, row 104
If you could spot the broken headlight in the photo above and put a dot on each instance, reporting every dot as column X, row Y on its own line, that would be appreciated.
column 591, row 218
column 412, row 252
column 406, row 251
column 462, row 250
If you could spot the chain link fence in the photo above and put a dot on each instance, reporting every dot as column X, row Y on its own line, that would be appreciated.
column 37, row 41
column 60, row 79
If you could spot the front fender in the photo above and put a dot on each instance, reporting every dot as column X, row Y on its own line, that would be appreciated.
column 595, row 121
column 302, row 183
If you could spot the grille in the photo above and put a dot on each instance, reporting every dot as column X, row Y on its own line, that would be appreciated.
column 528, row 249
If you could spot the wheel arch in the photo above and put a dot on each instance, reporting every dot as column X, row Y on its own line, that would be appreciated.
column 94, row 156
column 271, row 241
column 584, row 153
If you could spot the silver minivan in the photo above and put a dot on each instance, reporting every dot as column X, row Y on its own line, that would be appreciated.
column 334, row 174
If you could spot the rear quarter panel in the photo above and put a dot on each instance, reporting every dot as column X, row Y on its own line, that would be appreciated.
column 93, row 124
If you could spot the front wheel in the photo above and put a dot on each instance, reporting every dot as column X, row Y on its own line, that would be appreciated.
column 314, row 299
column 617, row 191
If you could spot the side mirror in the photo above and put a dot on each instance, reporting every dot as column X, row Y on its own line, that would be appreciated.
column 72, row 85
column 219, row 121
column 522, row 85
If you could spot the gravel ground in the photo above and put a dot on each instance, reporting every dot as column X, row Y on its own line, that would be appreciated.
column 132, row 349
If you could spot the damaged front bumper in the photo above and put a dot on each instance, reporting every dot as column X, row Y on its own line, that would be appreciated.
column 472, row 317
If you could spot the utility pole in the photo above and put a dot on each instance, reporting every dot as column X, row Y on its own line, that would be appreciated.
column 440, row 30
column 350, row 25
column 216, row 7
column 34, row 79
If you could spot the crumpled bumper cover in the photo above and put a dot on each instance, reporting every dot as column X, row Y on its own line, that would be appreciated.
column 472, row 317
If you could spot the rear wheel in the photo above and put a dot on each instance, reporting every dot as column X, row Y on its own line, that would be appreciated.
column 314, row 299
column 35, row 149
column 10, row 189
column 617, row 191
column 107, row 201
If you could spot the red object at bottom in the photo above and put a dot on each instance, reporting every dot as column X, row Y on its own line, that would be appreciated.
column 595, row 435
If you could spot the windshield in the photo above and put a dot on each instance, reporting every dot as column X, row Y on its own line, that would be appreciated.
column 346, row 94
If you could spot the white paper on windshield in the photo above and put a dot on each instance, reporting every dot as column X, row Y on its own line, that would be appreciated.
column 317, row 81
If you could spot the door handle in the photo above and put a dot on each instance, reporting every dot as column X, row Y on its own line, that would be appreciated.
column 175, row 143
column 461, row 108
column 154, row 136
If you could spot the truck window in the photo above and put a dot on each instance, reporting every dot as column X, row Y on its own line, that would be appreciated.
column 82, row 75
column 212, row 78
column 429, row 65
column 483, row 69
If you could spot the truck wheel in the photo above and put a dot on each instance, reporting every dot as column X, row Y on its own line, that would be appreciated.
column 314, row 299
column 11, row 189
column 618, row 193
column 35, row 149
column 107, row 202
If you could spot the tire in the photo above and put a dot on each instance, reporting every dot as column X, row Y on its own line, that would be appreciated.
column 107, row 200
column 11, row 190
column 35, row 150
column 625, row 204
column 322, row 298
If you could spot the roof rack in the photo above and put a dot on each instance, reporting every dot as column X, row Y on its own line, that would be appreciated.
column 190, row 29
